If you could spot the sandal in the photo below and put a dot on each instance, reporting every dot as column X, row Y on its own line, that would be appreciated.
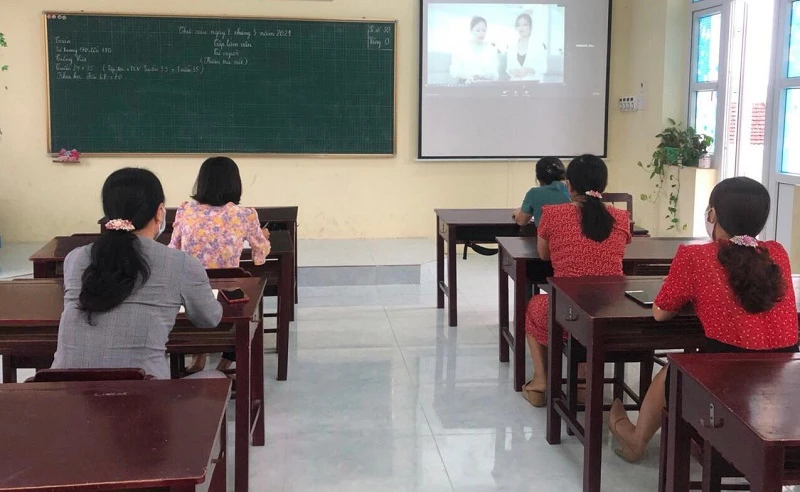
column 625, row 451
column 536, row 398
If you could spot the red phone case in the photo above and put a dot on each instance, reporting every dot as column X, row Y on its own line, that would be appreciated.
column 234, row 301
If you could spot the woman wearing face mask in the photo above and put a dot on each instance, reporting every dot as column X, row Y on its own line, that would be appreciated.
column 478, row 60
column 123, row 293
column 741, row 290
column 526, row 60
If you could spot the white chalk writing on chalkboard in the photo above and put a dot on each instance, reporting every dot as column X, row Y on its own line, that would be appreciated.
column 380, row 37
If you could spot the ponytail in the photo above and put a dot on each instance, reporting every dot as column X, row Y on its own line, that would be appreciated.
column 588, row 177
column 741, row 206
column 116, row 266
column 131, row 199
column 596, row 221
column 756, row 281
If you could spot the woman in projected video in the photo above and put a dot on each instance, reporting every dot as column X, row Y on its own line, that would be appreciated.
column 478, row 60
column 526, row 60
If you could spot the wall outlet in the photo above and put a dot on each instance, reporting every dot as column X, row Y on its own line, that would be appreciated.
column 629, row 104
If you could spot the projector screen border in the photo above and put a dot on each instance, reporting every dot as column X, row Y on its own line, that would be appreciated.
column 501, row 159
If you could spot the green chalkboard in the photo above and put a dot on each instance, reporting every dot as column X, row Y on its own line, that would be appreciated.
column 140, row 84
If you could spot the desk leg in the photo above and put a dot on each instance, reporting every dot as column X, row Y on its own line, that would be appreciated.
column 284, row 308
column 520, row 306
column 243, row 391
column 452, row 283
column 712, row 479
column 771, row 465
column 678, row 436
column 554, row 362
column 593, row 434
column 296, row 294
column 439, row 266
column 44, row 269
column 502, row 299
column 257, row 376
column 9, row 371
column 218, row 481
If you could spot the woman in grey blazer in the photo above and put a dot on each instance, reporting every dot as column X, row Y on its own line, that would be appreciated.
column 123, row 293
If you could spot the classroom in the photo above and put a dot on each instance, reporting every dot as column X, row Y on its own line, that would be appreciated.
column 321, row 245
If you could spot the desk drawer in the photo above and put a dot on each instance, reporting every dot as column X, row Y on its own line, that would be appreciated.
column 571, row 318
column 734, row 441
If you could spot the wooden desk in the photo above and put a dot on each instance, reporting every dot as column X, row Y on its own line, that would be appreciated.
column 743, row 406
column 278, row 218
column 600, row 317
column 519, row 260
column 470, row 225
column 154, row 435
column 48, row 262
column 29, row 316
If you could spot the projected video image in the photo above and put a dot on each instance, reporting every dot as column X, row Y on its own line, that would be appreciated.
column 479, row 43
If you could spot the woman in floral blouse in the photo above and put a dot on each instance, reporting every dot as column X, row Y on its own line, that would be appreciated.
column 213, row 227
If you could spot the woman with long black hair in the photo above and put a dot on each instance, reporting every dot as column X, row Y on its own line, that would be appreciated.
column 582, row 238
column 123, row 293
column 740, row 287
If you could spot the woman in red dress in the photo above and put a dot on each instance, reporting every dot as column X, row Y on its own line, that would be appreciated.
column 582, row 238
column 741, row 289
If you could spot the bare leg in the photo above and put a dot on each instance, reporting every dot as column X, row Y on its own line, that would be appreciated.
column 198, row 363
column 224, row 364
column 539, row 356
column 634, row 438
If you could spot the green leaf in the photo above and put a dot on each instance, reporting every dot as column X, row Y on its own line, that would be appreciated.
column 4, row 68
column 672, row 210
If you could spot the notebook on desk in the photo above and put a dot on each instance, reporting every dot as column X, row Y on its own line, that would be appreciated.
column 182, row 310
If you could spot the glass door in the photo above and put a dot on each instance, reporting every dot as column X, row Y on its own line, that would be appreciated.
column 783, row 173
column 752, row 27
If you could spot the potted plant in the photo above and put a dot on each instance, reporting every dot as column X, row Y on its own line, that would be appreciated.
column 679, row 147
column 3, row 44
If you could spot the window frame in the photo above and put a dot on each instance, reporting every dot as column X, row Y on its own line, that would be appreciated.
column 698, row 10
column 781, row 185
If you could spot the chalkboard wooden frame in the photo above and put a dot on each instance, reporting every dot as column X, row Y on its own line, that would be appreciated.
column 54, row 152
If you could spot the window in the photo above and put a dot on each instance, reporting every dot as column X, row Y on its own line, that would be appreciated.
column 790, row 83
column 704, row 84
column 790, row 162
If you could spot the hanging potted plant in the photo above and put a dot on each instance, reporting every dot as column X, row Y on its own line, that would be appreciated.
column 679, row 147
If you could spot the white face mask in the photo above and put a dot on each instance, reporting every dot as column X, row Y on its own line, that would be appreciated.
column 709, row 225
column 163, row 226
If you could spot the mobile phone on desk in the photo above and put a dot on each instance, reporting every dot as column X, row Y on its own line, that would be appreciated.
column 643, row 298
column 214, row 292
column 234, row 296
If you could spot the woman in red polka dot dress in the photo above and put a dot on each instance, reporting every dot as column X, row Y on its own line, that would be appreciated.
column 582, row 238
column 741, row 290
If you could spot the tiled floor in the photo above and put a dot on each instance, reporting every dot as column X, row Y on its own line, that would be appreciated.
column 383, row 396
